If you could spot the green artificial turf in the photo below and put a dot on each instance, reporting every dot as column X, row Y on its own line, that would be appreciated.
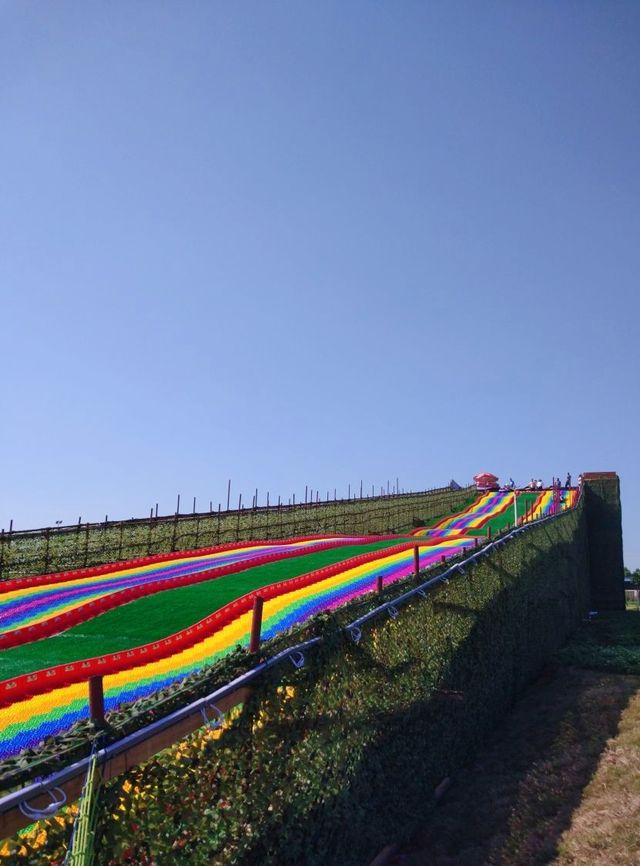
column 500, row 521
column 157, row 616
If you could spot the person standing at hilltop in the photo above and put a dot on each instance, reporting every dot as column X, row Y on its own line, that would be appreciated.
column 567, row 483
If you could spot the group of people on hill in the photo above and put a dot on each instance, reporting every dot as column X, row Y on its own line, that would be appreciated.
column 536, row 484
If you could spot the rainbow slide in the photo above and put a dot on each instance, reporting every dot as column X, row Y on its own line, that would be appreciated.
column 46, row 702
column 35, row 608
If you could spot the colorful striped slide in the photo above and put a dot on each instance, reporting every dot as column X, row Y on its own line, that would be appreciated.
column 46, row 702
column 24, row 722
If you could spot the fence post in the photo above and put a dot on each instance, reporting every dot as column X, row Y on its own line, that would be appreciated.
column 379, row 584
column 1, row 551
column 175, row 531
column 120, row 542
column 416, row 559
column 256, row 624
column 96, row 701
column 47, row 534
column 86, row 544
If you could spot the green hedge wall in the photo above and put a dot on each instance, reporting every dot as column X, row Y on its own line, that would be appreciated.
column 604, row 526
column 329, row 763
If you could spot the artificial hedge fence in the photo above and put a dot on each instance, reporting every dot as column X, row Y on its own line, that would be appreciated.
column 329, row 763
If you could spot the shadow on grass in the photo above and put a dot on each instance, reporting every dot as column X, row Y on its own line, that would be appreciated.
column 512, row 806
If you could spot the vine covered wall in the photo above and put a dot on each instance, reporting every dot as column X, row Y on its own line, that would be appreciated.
column 604, row 526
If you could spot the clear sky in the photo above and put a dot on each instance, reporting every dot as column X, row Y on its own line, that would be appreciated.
column 311, row 243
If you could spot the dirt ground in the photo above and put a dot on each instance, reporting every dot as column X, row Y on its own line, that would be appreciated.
column 558, row 784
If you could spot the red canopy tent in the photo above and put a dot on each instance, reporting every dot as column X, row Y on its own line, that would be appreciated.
column 486, row 481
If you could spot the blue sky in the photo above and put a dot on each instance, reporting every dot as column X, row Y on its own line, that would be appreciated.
column 311, row 243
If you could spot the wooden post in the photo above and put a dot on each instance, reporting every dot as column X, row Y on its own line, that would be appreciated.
column 379, row 584
column 489, row 532
column 46, row 553
column 416, row 560
column 96, row 701
column 256, row 624
column 443, row 559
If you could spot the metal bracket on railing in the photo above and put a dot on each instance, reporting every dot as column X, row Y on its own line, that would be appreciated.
column 212, row 723
column 297, row 659
column 355, row 633
column 392, row 611
column 421, row 593
column 51, row 809
column 461, row 569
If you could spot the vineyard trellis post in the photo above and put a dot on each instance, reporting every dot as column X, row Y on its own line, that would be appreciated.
column 175, row 532
column 86, row 544
column 47, row 536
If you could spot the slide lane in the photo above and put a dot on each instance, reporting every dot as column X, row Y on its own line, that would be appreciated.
column 543, row 504
column 29, row 612
column 476, row 515
column 493, row 505
column 156, row 617
column 24, row 722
